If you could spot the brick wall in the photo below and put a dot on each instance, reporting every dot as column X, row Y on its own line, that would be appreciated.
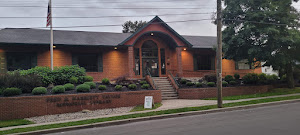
column 201, row 93
column 24, row 107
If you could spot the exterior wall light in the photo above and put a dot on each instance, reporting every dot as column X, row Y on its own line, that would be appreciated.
column 184, row 49
column 116, row 48
column 151, row 34
column 54, row 46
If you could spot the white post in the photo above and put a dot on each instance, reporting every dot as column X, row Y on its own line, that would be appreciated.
column 51, row 34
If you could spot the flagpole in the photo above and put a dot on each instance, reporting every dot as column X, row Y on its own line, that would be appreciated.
column 51, row 34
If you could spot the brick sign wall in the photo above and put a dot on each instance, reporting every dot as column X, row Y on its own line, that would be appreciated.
column 24, row 107
column 201, row 93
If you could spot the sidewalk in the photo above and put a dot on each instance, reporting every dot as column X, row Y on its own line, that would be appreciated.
column 166, row 105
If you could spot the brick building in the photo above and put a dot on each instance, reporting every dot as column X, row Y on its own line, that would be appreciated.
column 156, row 49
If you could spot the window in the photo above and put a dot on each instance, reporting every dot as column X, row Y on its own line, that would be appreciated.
column 17, row 60
column 149, row 49
column 137, row 61
column 204, row 62
column 243, row 64
column 91, row 62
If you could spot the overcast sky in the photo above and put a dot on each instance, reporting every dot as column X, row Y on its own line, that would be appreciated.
column 202, row 28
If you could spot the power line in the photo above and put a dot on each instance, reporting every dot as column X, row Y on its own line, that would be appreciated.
column 139, row 1
column 107, row 8
column 267, row 23
column 112, row 25
column 119, row 16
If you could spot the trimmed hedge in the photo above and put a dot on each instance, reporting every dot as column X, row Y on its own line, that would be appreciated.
column 105, row 81
column 145, row 86
column 83, row 88
column 39, row 91
column 102, row 87
column 198, row 84
column 143, row 82
column 88, row 78
column 73, row 80
column 250, row 78
column 91, row 84
column 60, row 75
column 118, row 87
column 58, row 89
column 224, row 84
column 211, row 84
column 232, row 82
column 236, row 76
column 210, row 78
column 11, row 92
column 229, row 78
column 69, row 86
column 183, row 81
column 132, row 86
column 190, row 84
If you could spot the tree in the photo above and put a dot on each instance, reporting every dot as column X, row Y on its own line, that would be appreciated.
column 131, row 27
column 262, row 30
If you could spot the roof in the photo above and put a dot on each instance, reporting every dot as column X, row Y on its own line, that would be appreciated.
column 41, row 36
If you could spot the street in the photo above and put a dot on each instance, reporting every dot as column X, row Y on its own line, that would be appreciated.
column 271, row 120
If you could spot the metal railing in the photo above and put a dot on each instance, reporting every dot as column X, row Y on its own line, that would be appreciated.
column 169, row 72
column 149, row 73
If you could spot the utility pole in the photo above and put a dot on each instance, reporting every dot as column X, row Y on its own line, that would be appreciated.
column 219, row 53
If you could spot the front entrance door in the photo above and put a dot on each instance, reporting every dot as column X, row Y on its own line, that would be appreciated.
column 150, row 65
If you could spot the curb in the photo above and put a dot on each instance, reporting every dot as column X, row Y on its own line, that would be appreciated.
column 120, row 122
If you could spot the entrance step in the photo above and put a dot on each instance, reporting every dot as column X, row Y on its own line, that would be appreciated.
column 167, row 90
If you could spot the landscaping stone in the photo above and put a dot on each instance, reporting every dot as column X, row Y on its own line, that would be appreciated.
column 79, row 115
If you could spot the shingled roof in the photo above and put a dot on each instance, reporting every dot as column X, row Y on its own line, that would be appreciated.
column 41, row 36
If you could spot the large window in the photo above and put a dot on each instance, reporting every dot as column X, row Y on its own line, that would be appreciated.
column 163, row 61
column 91, row 62
column 204, row 62
column 137, row 61
column 17, row 60
column 243, row 64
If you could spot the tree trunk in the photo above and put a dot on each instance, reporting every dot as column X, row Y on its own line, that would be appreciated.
column 290, row 76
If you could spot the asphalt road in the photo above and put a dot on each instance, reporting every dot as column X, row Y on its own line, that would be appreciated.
column 271, row 120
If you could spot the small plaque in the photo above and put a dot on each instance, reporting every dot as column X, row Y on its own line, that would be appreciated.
column 148, row 102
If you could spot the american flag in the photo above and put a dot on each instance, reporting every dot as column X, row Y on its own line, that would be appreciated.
column 49, row 15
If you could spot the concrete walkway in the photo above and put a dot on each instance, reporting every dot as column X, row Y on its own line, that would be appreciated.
column 166, row 104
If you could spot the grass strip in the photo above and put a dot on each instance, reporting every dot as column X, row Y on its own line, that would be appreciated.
column 17, row 122
column 274, row 92
column 171, row 111
column 141, row 107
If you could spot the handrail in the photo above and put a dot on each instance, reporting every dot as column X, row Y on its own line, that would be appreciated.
column 173, row 78
column 149, row 73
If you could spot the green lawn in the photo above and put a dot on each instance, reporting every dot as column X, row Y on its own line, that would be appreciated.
column 274, row 92
column 9, row 123
column 171, row 111
column 141, row 107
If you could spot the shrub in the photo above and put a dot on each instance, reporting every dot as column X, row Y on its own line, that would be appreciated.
column 12, row 92
column 262, row 78
column 236, row 76
column 60, row 75
column 58, row 89
column 132, row 86
column 102, row 87
column 80, row 79
column 210, row 78
column 143, row 82
column 1, row 90
column 69, row 86
column 91, row 84
column 211, row 84
column 39, row 91
column 228, row 78
column 145, row 86
column 118, row 87
column 272, row 78
column 224, row 84
column 25, row 82
column 88, row 78
column 73, row 80
column 283, row 78
column 183, row 81
column 250, row 78
column 198, row 84
column 232, row 82
column 105, row 81
column 189, row 83
column 83, row 88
